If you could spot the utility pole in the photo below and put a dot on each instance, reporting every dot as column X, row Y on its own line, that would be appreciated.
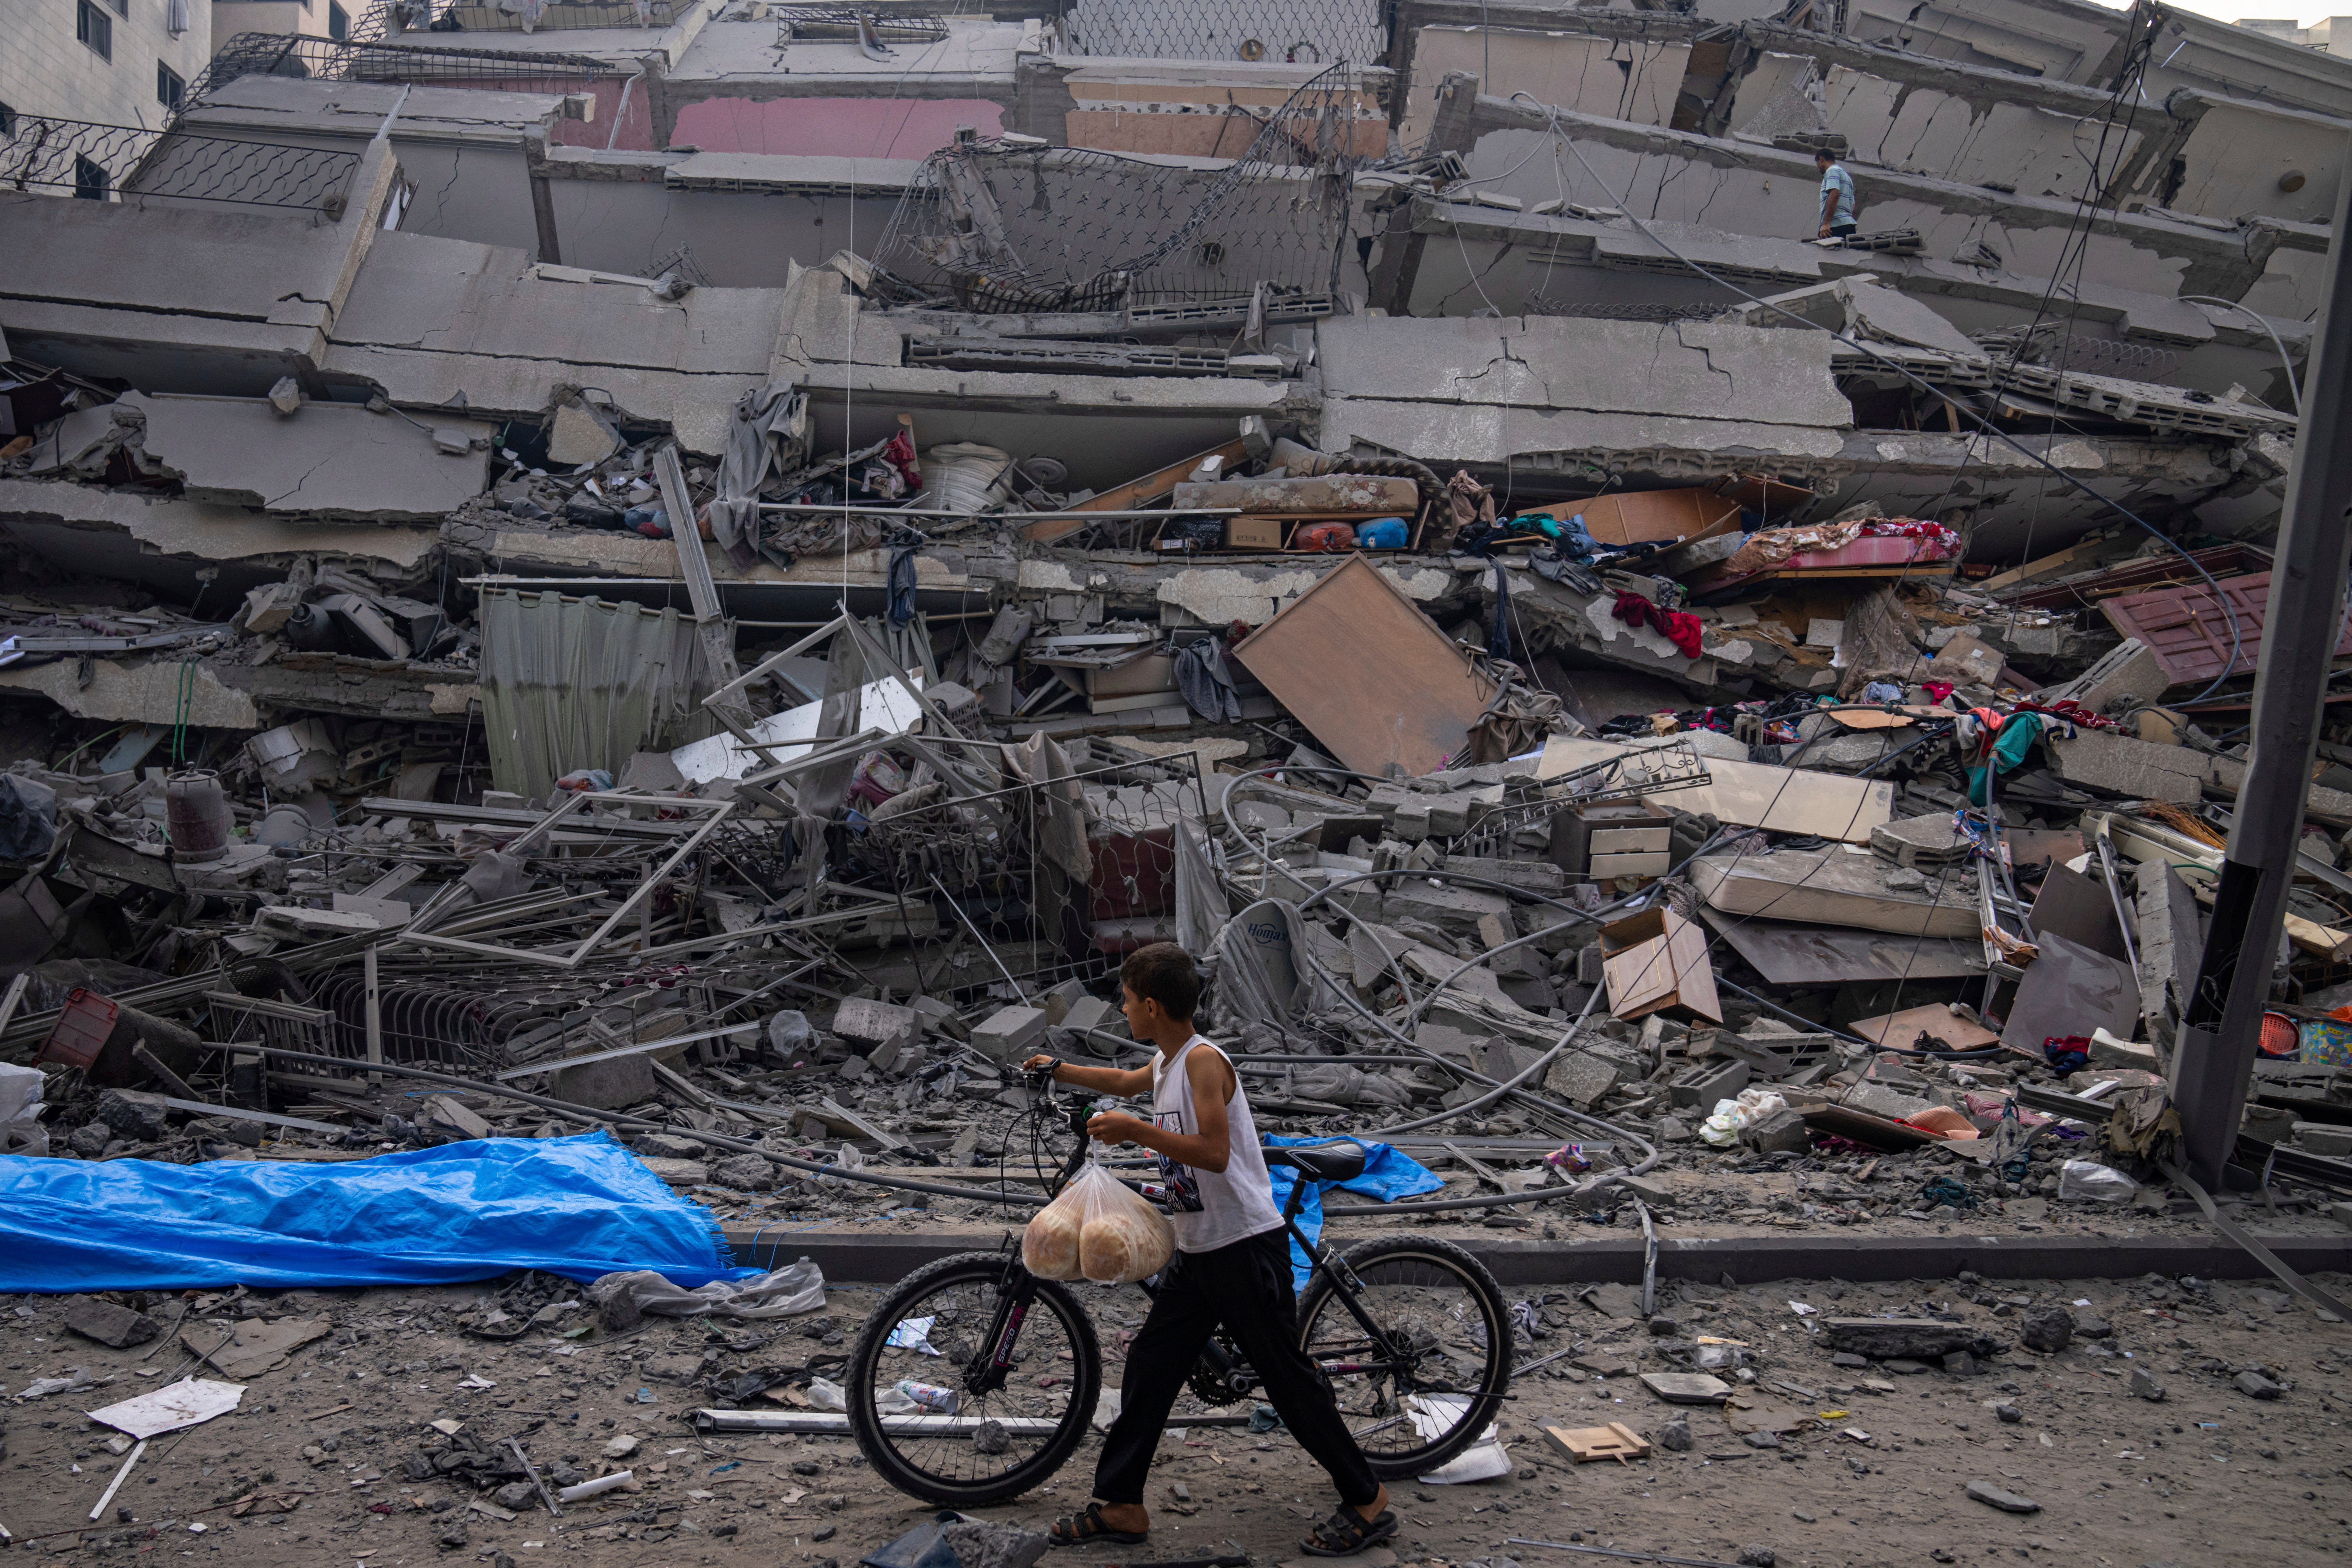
column 2214, row 1061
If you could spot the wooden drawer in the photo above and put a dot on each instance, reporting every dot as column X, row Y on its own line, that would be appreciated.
column 1647, row 863
column 1628, row 840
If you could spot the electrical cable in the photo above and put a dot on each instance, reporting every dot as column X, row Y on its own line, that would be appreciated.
column 2286, row 363
column 2236, row 631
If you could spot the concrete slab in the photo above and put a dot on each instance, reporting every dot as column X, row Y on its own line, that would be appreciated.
column 329, row 459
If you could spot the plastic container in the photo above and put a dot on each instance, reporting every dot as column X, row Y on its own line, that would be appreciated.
column 283, row 824
column 198, row 816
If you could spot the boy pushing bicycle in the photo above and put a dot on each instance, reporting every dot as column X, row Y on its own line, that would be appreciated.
column 1232, row 1268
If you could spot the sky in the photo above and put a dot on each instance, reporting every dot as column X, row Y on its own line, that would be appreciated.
column 2231, row 10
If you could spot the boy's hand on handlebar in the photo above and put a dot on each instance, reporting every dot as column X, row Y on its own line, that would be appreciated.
column 1117, row 1127
column 1042, row 1063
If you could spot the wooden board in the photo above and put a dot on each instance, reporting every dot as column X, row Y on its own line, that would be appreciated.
column 1754, row 795
column 1831, row 886
column 1642, row 517
column 1904, row 1028
column 1134, row 493
column 1370, row 677
column 1584, row 1444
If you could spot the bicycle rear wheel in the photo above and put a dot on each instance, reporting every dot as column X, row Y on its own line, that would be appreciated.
column 995, row 1445
column 1430, row 1378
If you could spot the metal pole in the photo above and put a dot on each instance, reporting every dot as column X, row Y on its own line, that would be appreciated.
column 2215, row 1060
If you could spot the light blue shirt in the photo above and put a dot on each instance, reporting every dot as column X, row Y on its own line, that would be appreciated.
column 1836, row 179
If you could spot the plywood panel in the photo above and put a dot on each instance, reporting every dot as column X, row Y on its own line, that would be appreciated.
column 1370, row 677
column 1755, row 795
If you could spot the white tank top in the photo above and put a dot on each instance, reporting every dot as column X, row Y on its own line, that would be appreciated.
column 1211, row 1208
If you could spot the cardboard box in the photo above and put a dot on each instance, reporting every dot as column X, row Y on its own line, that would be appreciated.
column 1656, row 961
column 1253, row 533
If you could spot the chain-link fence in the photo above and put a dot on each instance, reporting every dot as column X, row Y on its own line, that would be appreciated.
column 1318, row 32
column 995, row 226
column 83, row 158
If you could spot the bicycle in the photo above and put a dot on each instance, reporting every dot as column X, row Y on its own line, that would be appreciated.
column 1411, row 1335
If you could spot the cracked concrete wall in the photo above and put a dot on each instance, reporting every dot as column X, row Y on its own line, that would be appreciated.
column 430, row 318
column 2241, row 155
column 2025, row 148
column 1633, row 79
column 741, row 239
column 1698, row 372
column 153, row 693
column 327, row 460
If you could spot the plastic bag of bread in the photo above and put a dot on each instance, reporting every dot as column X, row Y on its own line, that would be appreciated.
column 1099, row 1230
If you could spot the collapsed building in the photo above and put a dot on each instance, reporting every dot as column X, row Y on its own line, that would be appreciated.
column 582, row 543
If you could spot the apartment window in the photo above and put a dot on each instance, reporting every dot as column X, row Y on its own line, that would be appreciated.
column 168, row 88
column 94, row 27
column 339, row 24
column 90, row 179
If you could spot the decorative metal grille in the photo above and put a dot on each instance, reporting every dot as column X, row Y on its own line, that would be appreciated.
column 1004, row 225
column 48, row 153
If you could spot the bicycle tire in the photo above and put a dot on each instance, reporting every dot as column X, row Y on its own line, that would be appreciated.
column 979, row 1268
column 1495, row 1379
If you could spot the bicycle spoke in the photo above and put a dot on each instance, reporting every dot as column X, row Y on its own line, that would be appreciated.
column 924, row 1405
column 1414, row 1388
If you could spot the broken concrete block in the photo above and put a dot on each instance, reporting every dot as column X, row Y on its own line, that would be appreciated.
column 445, row 1110
column 608, row 1084
column 938, row 1017
column 863, row 1025
column 2126, row 676
column 2121, row 766
column 1011, row 1035
column 1905, row 1339
column 1920, row 841
column 1782, row 1131
column 2318, row 1138
column 267, row 606
column 133, row 1114
column 678, row 1173
column 580, row 434
column 116, row 1328
column 1060, row 999
column 1089, row 1013
column 1700, row 1086
column 1454, row 911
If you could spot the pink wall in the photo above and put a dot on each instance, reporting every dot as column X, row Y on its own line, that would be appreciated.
column 832, row 127
column 636, row 122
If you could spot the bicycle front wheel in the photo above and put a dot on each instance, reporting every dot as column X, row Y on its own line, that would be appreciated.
column 1427, row 1377
column 938, row 1330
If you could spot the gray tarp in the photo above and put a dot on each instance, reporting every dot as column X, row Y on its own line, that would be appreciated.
column 1260, row 979
column 770, row 426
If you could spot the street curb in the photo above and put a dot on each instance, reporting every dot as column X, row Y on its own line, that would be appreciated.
column 1747, row 1260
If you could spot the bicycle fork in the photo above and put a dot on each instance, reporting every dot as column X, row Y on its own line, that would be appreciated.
column 1015, row 1294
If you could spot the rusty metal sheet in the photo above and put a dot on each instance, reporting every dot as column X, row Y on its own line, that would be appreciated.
column 1370, row 677
column 1786, row 953
column 2188, row 630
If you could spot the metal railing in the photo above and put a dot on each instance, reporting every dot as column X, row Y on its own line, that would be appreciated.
column 101, row 162
column 443, row 65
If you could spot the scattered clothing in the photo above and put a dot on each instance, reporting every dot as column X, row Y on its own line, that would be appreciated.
column 1677, row 627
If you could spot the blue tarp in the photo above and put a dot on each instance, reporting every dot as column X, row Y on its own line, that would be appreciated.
column 1389, row 1174
column 580, row 1207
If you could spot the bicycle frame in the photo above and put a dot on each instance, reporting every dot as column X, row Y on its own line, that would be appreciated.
column 1017, row 1291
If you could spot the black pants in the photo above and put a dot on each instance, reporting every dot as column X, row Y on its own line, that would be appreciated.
column 1246, row 1289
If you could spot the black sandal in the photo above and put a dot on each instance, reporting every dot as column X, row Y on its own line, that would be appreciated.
column 1347, row 1532
column 1087, row 1526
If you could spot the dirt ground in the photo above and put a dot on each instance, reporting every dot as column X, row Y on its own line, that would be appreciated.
column 2207, row 1476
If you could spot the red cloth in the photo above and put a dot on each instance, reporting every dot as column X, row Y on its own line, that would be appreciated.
column 1936, row 691
column 1682, row 630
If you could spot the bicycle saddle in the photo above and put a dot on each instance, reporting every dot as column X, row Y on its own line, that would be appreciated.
column 1340, row 1161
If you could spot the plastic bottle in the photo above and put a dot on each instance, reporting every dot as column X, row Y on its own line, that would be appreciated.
column 942, row 1400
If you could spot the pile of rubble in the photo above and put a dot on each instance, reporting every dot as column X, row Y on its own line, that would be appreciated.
column 1921, row 874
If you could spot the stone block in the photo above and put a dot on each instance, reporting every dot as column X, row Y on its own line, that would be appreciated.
column 1058, row 1002
column 133, row 1114
column 938, row 1017
column 2318, row 1138
column 862, row 1025
column 1700, row 1087
column 1011, row 1035
column 1920, row 841
column 1582, row 1077
column 608, row 1084
column 116, row 1328
column 2121, row 766
column 2126, row 676
column 1781, row 1132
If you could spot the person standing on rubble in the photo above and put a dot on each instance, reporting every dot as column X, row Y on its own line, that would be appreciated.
column 1232, row 1268
column 1837, row 195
